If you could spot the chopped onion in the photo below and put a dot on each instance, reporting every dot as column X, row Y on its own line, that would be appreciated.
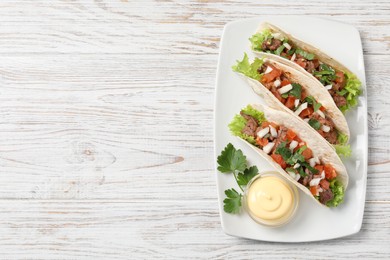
column 288, row 46
column 297, row 177
column 263, row 132
column 293, row 144
column 317, row 160
column 273, row 131
column 293, row 57
column 319, row 112
column 301, row 108
column 322, row 175
column 268, row 70
column 306, row 120
column 292, row 174
column 319, row 190
column 325, row 128
column 296, row 166
column 296, row 102
column 329, row 87
column 315, row 181
column 267, row 149
column 285, row 89
column 312, row 162
column 277, row 83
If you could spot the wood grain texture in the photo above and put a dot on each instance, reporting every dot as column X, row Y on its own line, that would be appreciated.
column 160, row 229
column 106, row 123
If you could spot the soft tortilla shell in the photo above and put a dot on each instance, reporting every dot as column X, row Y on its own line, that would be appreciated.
column 312, row 89
column 318, row 145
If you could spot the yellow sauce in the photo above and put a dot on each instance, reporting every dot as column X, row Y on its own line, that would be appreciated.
column 271, row 199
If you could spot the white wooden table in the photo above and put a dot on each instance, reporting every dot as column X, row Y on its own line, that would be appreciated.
column 106, row 147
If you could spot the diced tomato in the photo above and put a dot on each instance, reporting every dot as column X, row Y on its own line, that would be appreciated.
column 299, row 140
column 271, row 75
column 290, row 134
column 266, row 123
column 300, row 63
column 339, row 77
column 313, row 190
column 290, row 102
column 324, row 184
column 319, row 167
column 262, row 141
column 306, row 112
column 307, row 153
column 279, row 160
column 330, row 172
column 285, row 82
column 322, row 108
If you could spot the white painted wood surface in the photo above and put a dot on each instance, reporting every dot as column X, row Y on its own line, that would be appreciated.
column 106, row 125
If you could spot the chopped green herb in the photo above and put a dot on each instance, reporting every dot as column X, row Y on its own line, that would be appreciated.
column 314, row 123
column 312, row 101
column 279, row 50
column 302, row 172
column 311, row 169
column 296, row 91
column 296, row 157
column 301, row 149
column 306, row 55
column 291, row 51
column 283, row 151
column 326, row 74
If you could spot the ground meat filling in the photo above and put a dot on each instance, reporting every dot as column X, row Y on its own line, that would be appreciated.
column 286, row 148
column 271, row 44
column 276, row 81
column 311, row 65
column 251, row 125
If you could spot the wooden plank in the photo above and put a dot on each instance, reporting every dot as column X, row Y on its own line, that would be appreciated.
column 152, row 27
column 160, row 229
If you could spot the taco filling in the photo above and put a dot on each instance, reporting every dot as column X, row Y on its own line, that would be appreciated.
column 293, row 96
column 343, row 87
column 285, row 147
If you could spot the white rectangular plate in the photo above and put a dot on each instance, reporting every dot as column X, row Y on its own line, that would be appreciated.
column 312, row 222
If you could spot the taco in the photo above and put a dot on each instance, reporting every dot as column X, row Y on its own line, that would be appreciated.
column 288, row 89
column 302, row 157
column 342, row 85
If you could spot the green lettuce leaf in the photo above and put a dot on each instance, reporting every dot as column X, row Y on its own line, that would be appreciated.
column 238, row 123
column 342, row 138
column 258, row 39
column 351, row 91
column 247, row 68
column 343, row 149
column 338, row 193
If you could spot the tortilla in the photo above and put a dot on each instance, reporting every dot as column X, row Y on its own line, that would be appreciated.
column 320, row 55
column 317, row 144
column 312, row 88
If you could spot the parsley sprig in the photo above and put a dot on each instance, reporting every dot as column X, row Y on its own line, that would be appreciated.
column 234, row 161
